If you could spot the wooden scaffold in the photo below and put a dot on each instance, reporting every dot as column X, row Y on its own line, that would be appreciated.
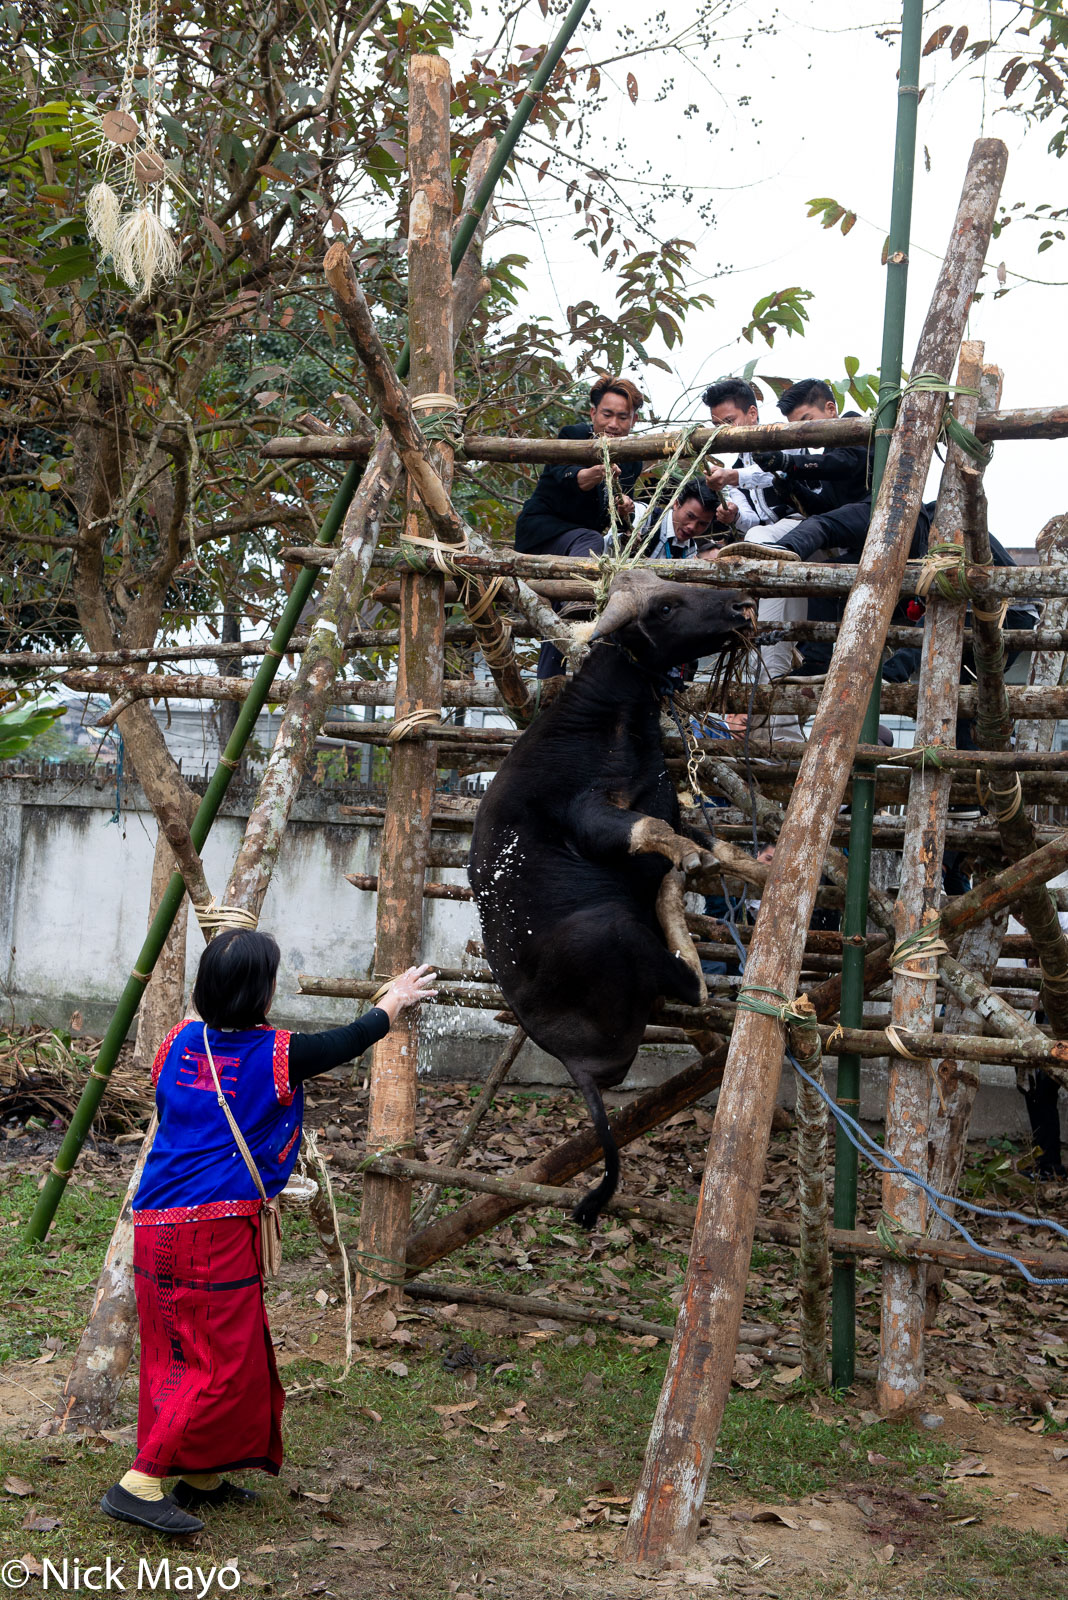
column 926, row 951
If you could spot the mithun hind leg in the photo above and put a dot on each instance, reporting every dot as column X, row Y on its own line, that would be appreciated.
column 671, row 915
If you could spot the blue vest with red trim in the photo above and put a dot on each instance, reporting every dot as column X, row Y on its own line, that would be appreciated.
column 194, row 1169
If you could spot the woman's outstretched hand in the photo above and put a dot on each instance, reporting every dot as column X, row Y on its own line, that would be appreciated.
column 407, row 990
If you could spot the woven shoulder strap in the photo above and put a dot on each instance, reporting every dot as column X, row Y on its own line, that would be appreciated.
column 239, row 1138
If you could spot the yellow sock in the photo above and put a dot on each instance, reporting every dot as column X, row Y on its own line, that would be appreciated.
column 202, row 1480
column 140, row 1484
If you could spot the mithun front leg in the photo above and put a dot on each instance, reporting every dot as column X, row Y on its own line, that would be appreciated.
column 671, row 914
column 651, row 836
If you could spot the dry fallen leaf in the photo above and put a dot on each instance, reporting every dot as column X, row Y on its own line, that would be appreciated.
column 956, row 1402
column 321, row 1297
column 1040, row 1488
column 787, row 1375
column 452, row 1411
column 17, row 1486
column 544, row 1496
column 773, row 1514
column 399, row 1369
column 969, row 1466
column 33, row 1522
column 819, row 1526
column 885, row 1555
column 553, row 1436
column 369, row 1412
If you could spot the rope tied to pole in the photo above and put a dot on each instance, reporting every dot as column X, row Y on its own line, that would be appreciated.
column 928, row 752
column 952, row 429
column 787, row 1013
column 921, row 945
column 444, row 426
column 946, row 567
column 404, row 727
column 442, row 557
column 898, row 1045
column 213, row 917
column 1001, row 803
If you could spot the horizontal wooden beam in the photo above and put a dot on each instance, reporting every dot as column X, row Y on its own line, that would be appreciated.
column 853, row 1242
column 1044, row 422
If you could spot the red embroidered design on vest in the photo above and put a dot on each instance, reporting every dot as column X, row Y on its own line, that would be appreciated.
column 282, row 1087
column 290, row 1142
column 195, row 1073
column 161, row 1053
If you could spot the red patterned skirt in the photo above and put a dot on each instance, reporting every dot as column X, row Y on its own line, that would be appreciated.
column 210, row 1397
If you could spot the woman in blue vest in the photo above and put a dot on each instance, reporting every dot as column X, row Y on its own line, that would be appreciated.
column 210, row 1398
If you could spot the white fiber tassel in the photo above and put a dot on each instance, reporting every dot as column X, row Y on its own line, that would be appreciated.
column 102, row 215
column 144, row 250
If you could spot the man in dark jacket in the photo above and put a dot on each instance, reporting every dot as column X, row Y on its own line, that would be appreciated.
column 568, row 514
column 837, row 476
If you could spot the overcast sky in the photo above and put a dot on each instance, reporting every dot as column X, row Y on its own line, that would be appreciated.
column 822, row 92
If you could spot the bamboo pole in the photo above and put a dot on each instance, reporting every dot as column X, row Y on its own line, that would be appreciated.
column 1038, row 422
column 914, row 994
column 666, row 1508
column 386, row 1209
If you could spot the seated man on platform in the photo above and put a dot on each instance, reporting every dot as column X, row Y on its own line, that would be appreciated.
column 569, row 513
column 758, row 509
column 752, row 493
column 826, row 479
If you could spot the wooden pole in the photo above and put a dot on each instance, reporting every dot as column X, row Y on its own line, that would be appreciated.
column 814, row 1265
column 915, row 990
column 1039, row 422
column 666, row 1508
column 386, row 1210
column 1003, row 796
column 462, row 1143
column 773, row 1230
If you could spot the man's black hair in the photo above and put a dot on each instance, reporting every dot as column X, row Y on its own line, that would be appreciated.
column 809, row 392
column 735, row 389
column 697, row 489
column 235, row 979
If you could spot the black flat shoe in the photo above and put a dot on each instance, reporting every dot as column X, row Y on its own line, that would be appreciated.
column 224, row 1494
column 164, row 1516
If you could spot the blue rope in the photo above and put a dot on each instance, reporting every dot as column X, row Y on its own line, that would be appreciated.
column 882, row 1161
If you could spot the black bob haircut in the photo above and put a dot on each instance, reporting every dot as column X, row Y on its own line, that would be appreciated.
column 807, row 392
column 735, row 389
column 235, row 979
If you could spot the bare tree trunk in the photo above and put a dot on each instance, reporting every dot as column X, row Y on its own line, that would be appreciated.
column 164, row 994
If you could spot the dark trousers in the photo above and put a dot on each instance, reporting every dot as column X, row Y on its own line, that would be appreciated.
column 575, row 542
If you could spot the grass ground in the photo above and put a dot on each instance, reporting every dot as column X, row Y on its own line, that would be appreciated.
column 471, row 1454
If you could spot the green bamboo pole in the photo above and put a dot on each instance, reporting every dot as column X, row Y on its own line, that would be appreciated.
column 86, row 1109
column 855, row 913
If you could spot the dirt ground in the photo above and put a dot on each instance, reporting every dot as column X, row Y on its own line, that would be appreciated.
column 477, row 1447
